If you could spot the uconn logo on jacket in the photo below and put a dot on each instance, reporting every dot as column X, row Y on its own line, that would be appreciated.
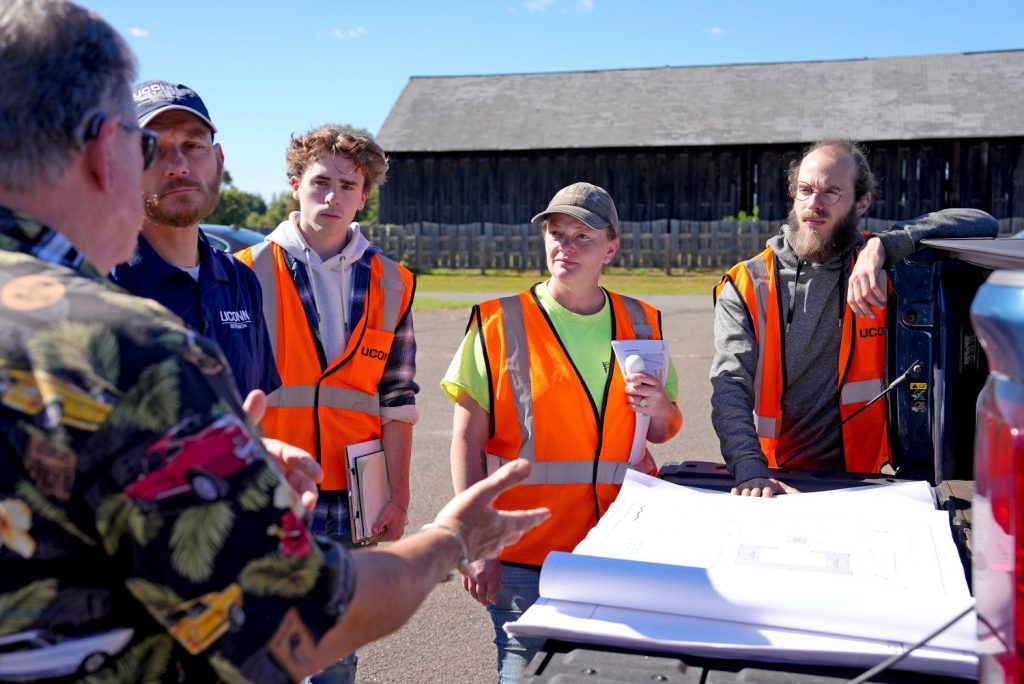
column 235, row 320
column 374, row 353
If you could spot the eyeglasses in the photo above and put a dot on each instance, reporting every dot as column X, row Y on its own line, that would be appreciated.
column 149, row 138
column 828, row 196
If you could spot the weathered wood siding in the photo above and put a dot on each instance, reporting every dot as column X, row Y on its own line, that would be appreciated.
column 695, row 184
column 663, row 244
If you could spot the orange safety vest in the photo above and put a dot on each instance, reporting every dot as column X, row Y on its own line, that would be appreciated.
column 323, row 409
column 861, row 367
column 541, row 411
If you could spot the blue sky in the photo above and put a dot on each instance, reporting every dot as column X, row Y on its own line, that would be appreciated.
column 267, row 69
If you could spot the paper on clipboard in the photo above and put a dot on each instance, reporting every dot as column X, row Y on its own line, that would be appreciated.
column 655, row 356
column 369, row 489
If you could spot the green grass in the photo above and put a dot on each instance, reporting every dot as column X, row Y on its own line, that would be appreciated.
column 437, row 303
column 628, row 281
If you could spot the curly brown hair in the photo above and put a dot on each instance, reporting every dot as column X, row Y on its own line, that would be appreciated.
column 358, row 146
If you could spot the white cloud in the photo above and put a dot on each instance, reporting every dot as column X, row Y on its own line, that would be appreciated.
column 139, row 33
column 348, row 34
column 561, row 6
column 537, row 5
column 715, row 31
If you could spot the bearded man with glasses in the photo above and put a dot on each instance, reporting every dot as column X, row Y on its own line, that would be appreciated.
column 785, row 374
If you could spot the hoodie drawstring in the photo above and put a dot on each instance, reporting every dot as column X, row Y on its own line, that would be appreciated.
column 792, row 298
column 312, row 284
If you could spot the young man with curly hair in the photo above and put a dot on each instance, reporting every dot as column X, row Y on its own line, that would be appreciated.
column 340, row 319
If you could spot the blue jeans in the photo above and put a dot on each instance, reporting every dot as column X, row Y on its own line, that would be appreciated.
column 519, row 590
column 330, row 519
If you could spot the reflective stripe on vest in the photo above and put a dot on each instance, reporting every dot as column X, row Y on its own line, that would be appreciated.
column 566, row 472
column 641, row 328
column 767, row 426
column 263, row 266
column 301, row 396
column 392, row 307
column 517, row 363
column 860, row 392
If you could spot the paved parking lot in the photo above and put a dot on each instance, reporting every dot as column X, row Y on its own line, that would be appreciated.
column 449, row 639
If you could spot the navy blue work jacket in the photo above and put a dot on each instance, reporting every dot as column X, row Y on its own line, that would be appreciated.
column 226, row 305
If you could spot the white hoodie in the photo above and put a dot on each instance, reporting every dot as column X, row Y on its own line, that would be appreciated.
column 331, row 280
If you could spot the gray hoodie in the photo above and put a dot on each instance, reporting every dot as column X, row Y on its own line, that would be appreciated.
column 810, row 405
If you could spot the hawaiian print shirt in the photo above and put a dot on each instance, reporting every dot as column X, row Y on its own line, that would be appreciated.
column 144, row 534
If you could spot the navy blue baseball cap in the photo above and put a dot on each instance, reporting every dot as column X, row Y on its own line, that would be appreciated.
column 153, row 98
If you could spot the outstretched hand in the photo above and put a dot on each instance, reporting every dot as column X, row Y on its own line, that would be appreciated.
column 300, row 469
column 485, row 530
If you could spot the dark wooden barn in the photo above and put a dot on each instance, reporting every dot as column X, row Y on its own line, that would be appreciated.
column 704, row 143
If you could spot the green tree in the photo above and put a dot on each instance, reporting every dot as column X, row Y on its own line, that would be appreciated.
column 236, row 206
column 369, row 213
column 280, row 206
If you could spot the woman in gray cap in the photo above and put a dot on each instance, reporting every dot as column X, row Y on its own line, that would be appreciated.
column 535, row 378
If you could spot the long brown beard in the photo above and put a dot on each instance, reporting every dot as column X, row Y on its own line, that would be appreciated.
column 183, row 216
column 808, row 245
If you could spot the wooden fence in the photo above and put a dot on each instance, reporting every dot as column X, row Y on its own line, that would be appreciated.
column 665, row 244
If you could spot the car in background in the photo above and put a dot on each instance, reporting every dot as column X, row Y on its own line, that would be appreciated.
column 230, row 239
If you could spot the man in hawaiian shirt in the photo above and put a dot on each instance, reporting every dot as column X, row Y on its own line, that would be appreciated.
column 142, row 524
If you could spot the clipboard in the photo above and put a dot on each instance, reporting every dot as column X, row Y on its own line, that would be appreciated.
column 369, row 489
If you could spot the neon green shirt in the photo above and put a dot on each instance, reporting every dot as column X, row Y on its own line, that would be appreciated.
column 587, row 338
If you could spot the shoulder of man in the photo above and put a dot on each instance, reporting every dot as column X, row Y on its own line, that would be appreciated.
column 237, row 268
column 37, row 293
column 90, row 349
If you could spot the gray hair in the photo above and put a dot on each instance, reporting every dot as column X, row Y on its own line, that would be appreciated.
column 58, row 63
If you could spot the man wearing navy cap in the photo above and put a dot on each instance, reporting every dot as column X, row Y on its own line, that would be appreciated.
column 174, row 263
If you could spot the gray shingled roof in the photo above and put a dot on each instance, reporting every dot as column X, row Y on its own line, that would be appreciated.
column 940, row 96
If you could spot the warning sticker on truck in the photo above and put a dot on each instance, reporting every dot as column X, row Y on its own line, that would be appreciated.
column 919, row 397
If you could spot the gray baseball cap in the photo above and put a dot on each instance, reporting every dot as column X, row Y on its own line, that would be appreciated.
column 584, row 201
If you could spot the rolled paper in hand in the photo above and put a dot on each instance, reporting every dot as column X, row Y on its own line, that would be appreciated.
column 634, row 363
